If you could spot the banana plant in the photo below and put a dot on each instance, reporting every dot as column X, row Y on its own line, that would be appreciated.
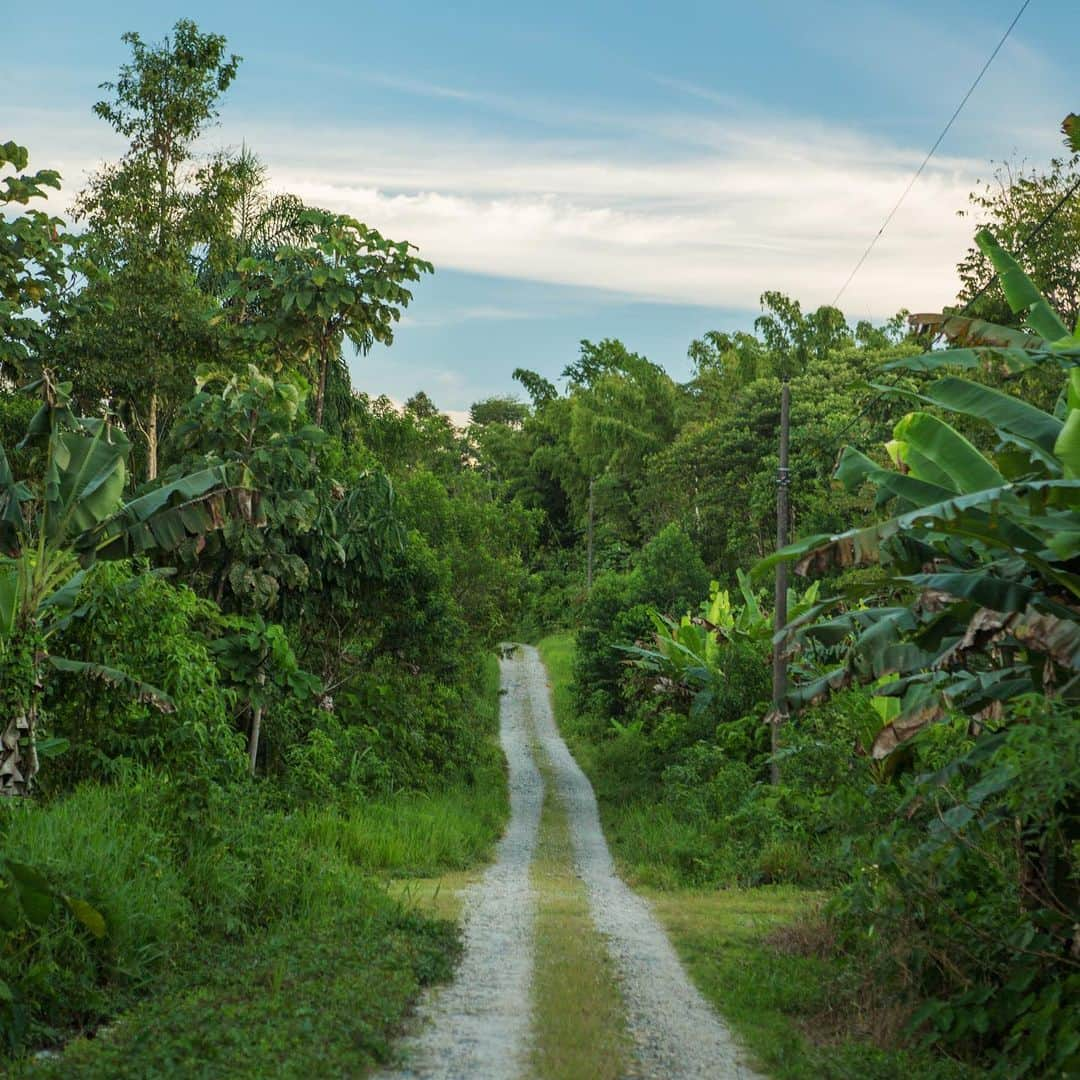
column 689, row 652
column 51, row 532
column 982, row 548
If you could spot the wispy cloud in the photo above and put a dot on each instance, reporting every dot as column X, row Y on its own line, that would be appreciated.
column 737, row 212
column 727, row 210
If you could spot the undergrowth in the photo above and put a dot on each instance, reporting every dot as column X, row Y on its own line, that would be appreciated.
column 236, row 930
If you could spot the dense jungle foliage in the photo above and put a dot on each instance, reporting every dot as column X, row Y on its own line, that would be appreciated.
column 247, row 611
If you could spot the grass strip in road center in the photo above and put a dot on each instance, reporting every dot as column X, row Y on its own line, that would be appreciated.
column 578, row 1019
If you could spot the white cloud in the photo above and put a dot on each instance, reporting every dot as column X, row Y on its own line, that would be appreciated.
column 710, row 212
column 736, row 213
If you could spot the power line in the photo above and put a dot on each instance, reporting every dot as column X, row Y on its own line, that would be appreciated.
column 1024, row 244
column 929, row 155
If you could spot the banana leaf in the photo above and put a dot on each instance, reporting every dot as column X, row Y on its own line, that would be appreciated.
column 931, row 449
column 115, row 677
column 1002, row 411
column 1020, row 291
column 167, row 515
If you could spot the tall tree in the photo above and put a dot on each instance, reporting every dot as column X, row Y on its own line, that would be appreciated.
column 347, row 281
column 793, row 337
column 146, row 216
column 158, row 200
column 1012, row 205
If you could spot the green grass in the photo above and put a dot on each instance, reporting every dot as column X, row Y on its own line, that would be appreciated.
column 769, row 970
column 423, row 834
column 578, row 1021
column 557, row 652
column 259, row 942
column 314, row 998
column 419, row 834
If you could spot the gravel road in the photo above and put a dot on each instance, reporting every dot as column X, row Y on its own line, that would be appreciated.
column 478, row 1027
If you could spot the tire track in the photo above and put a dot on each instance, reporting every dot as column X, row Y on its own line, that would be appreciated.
column 478, row 1026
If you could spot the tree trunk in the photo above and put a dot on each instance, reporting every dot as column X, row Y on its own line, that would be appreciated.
column 320, row 392
column 152, row 439
column 18, row 749
column 13, row 779
column 253, row 739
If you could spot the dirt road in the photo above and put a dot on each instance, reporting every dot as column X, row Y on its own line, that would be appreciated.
column 478, row 1028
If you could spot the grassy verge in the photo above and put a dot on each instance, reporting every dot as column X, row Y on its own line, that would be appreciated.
column 420, row 834
column 766, row 966
column 276, row 943
column 321, row 997
column 578, row 1019
column 756, row 954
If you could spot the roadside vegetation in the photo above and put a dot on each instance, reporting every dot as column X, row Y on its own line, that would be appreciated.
column 248, row 618
column 246, row 630
column 927, row 762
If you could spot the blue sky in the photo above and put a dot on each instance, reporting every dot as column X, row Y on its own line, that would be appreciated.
column 595, row 169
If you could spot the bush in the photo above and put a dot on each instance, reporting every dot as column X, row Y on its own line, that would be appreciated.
column 969, row 901
column 109, row 847
column 151, row 629
column 394, row 728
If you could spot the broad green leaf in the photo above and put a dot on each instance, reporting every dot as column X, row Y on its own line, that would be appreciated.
column 53, row 747
column 34, row 891
column 790, row 553
column 1000, row 410
column 90, row 484
column 1013, row 360
column 1072, row 393
column 1020, row 290
column 981, row 587
column 817, row 554
column 114, row 677
column 27, row 876
column 932, row 449
column 11, row 917
column 855, row 468
column 89, row 916
column 1067, row 445
column 10, row 597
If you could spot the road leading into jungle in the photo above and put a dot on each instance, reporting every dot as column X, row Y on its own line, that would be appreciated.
column 481, row 1026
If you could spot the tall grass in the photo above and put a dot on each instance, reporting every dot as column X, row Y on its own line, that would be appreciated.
column 557, row 652
column 98, row 846
column 416, row 834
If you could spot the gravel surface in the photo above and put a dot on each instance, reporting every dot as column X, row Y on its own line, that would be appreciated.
column 676, row 1032
column 478, row 1026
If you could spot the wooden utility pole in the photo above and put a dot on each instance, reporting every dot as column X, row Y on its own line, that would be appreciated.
column 588, row 568
column 783, row 485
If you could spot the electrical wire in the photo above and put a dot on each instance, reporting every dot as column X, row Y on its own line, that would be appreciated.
column 930, row 153
column 1024, row 244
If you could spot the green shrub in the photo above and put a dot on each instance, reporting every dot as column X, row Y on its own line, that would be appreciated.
column 148, row 627
column 969, row 901
column 668, row 574
column 109, row 847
